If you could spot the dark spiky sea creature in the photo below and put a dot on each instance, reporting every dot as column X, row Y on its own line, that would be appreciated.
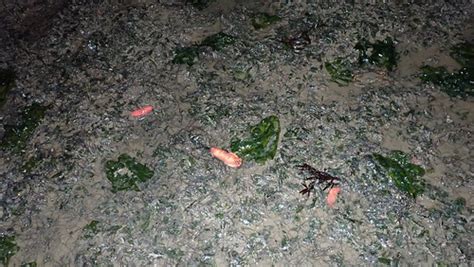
column 317, row 177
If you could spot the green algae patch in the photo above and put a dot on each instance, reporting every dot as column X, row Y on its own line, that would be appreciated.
column 340, row 71
column 404, row 174
column 7, row 81
column 126, row 173
column 218, row 41
column 8, row 248
column 186, row 55
column 262, row 143
column 380, row 53
column 16, row 136
column 385, row 261
column 463, row 53
column 263, row 20
column 189, row 55
column 199, row 4
column 459, row 83
column 91, row 229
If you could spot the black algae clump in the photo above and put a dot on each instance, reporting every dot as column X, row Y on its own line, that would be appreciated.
column 186, row 55
column 380, row 53
column 7, row 81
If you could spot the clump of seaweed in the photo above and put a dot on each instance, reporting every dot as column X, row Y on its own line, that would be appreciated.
column 403, row 173
column 380, row 53
column 340, row 71
column 262, row 143
column 458, row 83
column 263, row 20
column 463, row 53
column 199, row 4
column 318, row 177
column 126, row 173
column 16, row 136
column 189, row 55
column 7, row 80
column 91, row 229
column 186, row 55
column 218, row 41
column 8, row 248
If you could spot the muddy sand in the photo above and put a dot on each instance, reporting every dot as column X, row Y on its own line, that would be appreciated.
column 341, row 83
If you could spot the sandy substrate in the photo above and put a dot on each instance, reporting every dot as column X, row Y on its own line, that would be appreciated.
column 91, row 64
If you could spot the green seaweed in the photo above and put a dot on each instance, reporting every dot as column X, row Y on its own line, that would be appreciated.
column 7, row 81
column 340, row 71
column 199, row 4
column 91, row 229
column 16, row 136
column 262, row 143
column 403, row 173
column 385, row 261
column 382, row 53
column 186, row 55
column 126, row 173
column 189, row 55
column 463, row 53
column 460, row 83
column 174, row 253
column 263, row 20
column 218, row 41
column 8, row 248
column 30, row 164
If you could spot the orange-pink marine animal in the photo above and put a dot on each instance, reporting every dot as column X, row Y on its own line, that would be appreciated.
column 332, row 196
column 138, row 113
column 230, row 159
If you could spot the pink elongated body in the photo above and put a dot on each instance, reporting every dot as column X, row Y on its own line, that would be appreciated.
column 332, row 196
column 140, row 112
column 230, row 159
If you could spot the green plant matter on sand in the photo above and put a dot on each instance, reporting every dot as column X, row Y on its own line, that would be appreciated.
column 186, row 55
column 91, row 229
column 380, row 53
column 199, row 4
column 404, row 174
column 16, row 136
column 263, row 20
column 340, row 71
column 218, row 41
column 8, row 248
column 126, row 173
column 262, row 143
column 458, row 83
column 189, row 55
column 7, row 81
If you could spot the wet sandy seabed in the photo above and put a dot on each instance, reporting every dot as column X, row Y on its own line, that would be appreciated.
column 94, row 63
